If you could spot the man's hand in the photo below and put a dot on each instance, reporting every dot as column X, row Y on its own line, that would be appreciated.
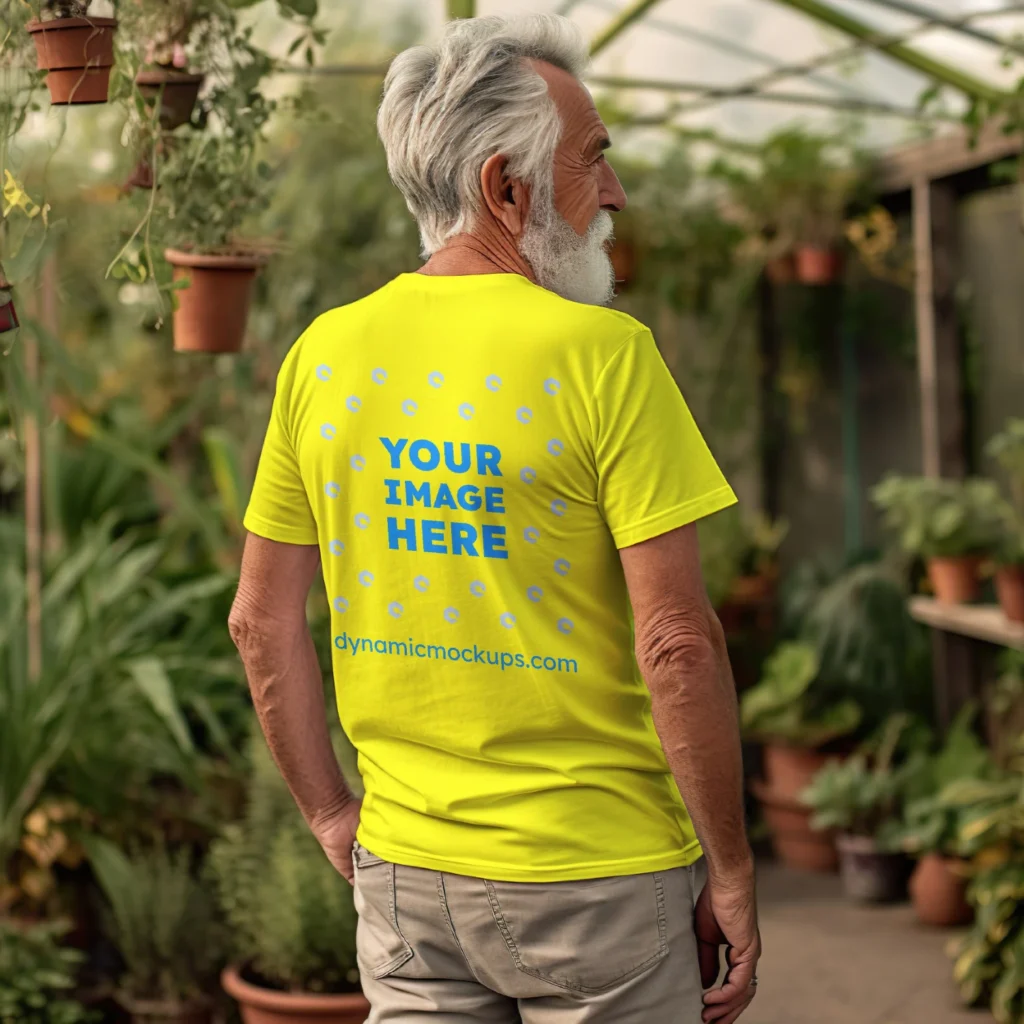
column 336, row 833
column 726, row 914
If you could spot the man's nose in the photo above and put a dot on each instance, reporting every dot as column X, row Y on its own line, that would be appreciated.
column 612, row 195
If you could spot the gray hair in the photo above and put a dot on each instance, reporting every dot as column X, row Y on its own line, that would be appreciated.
column 448, row 108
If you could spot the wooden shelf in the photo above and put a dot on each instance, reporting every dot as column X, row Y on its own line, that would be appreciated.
column 980, row 621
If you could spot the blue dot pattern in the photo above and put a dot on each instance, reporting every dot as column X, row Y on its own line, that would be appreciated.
column 466, row 411
column 379, row 376
column 336, row 547
column 353, row 404
column 358, row 463
column 395, row 610
column 331, row 489
column 323, row 372
column 340, row 605
column 558, row 507
column 409, row 407
column 534, row 594
column 555, row 447
column 435, row 379
column 362, row 520
column 507, row 619
column 565, row 625
column 527, row 475
column 551, row 386
column 492, row 383
column 451, row 615
column 531, row 535
column 327, row 432
column 524, row 414
column 562, row 567
column 366, row 578
column 476, row 588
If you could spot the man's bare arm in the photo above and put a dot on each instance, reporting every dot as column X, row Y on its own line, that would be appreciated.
column 269, row 628
column 682, row 655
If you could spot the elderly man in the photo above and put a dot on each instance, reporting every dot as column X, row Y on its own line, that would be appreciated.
column 500, row 480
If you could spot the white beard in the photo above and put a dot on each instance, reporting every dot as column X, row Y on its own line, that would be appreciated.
column 577, row 267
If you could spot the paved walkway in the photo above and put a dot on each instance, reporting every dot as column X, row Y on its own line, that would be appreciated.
column 827, row 961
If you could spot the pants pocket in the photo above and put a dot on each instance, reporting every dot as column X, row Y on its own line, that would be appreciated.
column 583, row 936
column 380, row 946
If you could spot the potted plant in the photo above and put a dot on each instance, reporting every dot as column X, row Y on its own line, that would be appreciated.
column 209, row 185
column 38, row 975
column 987, row 964
column 291, row 914
column 1007, row 448
column 952, row 524
column 162, row 923
column 858, row 799
column 785, row 713
column 75, row 48
column 932, row 825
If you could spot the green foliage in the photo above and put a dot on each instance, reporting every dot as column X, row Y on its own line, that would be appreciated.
column 940, row 517
column 798, row 188
column 290, row 912
column 869, row 649
column 733, row 545
column 864, row 793
column 1007, row 448
column 989, row 965
column 125, row 655
column 785, row 706
column 935, row 816
column 162, row 922
column 37, row 976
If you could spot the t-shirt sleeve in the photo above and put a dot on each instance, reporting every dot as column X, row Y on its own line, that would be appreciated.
column 655, row 472
column 278, row 507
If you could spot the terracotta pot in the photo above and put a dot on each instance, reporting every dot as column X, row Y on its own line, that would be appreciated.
column 871, row 875
column 78, row 53
column 158, row 1011
column 214, row 307
column 176, row 90
column 955, row 580
column 818, row 265
column 1009, row 588
column 794, row 842
column 781, row 269
column 267, row 1006
column 938, row 892
column 788, row 771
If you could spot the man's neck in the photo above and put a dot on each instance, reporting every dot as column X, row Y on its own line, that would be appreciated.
column 477, row 254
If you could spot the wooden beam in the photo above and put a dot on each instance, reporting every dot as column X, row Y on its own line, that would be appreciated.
column 620, row 23
column 949, row 154
column 940, row 376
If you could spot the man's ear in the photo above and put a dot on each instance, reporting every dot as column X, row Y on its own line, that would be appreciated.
column 506, row 199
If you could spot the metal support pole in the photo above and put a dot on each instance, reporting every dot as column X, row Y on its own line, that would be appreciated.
column 635, row 10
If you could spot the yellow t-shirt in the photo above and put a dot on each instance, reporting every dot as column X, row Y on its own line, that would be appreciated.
column 469, row 453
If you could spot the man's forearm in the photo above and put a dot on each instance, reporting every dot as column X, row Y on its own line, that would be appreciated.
column 695, row 715
column 287, row 691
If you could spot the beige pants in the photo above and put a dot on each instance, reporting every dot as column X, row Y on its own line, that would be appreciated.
column 466, row 950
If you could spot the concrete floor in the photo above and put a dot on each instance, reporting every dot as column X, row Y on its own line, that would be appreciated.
column 827, row 961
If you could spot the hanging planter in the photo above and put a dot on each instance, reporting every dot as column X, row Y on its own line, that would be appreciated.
column 818, row 265
column 77, row 53
column 176, row 92
column 213, row 305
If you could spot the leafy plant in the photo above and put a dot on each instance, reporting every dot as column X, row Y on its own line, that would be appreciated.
column 733, row 546
column 934, row 817
column 864, row 793
column 162, row 922
column 290, row 912
column 942, row 517
column 785, row 705
column 112, row 664
column 1007, row 448
column 989, row 959
column 38, row 975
